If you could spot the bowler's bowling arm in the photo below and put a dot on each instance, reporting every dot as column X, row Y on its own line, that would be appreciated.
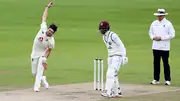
column 45, row 14
column 47, row 52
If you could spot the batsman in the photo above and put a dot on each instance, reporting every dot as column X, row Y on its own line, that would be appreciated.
column 42, row 46
column 116, row 58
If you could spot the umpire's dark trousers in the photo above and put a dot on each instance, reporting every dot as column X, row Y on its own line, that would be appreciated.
column 158, row 54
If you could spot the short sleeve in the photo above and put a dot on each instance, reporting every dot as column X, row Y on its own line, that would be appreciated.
column 43, row 25
column 51, row 43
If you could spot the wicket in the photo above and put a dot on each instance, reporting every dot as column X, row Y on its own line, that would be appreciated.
column 99, row 83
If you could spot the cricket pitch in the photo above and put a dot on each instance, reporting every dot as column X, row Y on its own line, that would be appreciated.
column 79, row 92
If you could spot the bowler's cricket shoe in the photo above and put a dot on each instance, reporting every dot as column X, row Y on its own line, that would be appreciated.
column 155, row 82
column 36, row 90
column 168, row 83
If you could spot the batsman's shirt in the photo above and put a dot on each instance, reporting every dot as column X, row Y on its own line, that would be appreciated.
column 42, row 42
column 114, row 44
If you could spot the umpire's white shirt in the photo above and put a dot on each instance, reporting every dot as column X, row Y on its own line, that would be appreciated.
column 114, row 44
column 163, row 29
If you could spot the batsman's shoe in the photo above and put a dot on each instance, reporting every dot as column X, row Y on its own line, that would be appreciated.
column 168, row 83
column 119, row 91
column 104, row 94
column 154, row 82
column 44, row 82
column 111, row 96
column 119, row 95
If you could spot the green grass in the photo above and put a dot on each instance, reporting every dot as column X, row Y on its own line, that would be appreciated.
column 77, row 42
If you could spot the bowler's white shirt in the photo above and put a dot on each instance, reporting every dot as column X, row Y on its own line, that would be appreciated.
column 163, row 29
column 114, row 44
column 42, row 42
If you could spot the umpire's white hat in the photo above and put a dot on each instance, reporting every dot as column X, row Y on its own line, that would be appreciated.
column 160, row 12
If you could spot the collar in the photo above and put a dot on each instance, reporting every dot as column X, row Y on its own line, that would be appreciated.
column 107, row 33
column 163, row 20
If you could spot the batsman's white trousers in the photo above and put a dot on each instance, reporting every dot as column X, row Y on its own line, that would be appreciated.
column 114, row 64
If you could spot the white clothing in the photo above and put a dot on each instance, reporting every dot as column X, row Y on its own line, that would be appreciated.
column 115, row 62
column 112, row 82
column 163, row 29
column 42, row 42
column 114, row 44
column 116, row 58
column 34, row 65
column 39, row 72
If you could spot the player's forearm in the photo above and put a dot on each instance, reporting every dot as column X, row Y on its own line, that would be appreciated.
column 168, row 37
column 45, row 14
column 47, row 53
column 123, row 49
column 151, row 36
column 119, row 43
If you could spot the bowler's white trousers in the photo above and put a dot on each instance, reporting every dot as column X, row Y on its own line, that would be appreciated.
column 37, row 70
column 112, row 82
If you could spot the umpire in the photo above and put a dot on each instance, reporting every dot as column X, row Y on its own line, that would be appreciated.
column 161, row 32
